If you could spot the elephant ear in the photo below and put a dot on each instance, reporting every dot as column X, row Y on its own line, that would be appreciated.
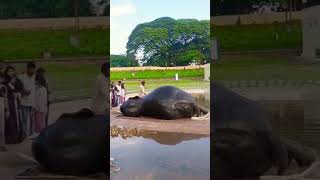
column 184, row 108
column 136, row 97
column 82, row 114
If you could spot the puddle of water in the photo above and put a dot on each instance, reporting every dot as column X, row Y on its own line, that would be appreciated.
column 162, row 155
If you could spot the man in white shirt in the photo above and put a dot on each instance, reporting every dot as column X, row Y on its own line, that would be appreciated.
column 100, row 102
column 27, row 100
column 142, row 92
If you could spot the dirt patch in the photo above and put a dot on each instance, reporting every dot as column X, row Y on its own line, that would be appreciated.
column 143, row 123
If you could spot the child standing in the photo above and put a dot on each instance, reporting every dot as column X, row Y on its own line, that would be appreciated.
column 122, row 94
column 40, row 105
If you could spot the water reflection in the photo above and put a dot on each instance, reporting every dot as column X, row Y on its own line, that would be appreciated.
column 161, row 155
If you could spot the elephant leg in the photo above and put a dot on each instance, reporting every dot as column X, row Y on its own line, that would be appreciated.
column 304, row 156
column 186, row 109
column 279, row 154
column 199, row 109
column 203, row 110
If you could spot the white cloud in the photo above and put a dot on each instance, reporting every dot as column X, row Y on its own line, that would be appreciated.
column 122, row 9
column 118, row 37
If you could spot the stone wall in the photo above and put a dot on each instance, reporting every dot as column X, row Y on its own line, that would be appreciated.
column 254, row 18
column 54, row 23
column 311, row 33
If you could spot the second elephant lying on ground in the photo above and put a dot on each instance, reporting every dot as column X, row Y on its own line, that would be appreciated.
column 166, row 102
column 243, row 143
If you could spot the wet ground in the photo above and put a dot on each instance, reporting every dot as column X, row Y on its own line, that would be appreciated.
column 149, row 149
column 295, row 119
column 144, row 123
column 154, row 155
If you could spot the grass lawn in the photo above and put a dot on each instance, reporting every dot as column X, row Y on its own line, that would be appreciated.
column 263, row 68
column 30, row 44
column 76, row 81
column 70, row 81
column 258, row 37
column 132, row 86
column 192, row 78
column 155, row 74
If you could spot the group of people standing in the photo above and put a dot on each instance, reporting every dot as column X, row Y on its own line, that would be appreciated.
column 23, row 103
column 117, row 94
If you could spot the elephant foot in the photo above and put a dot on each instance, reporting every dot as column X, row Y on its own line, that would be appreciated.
column 312, row 173
column 303, row 155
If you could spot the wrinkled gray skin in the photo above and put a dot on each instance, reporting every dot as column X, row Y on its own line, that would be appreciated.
column 166, row 102
column 243, row 144
column 76, row 144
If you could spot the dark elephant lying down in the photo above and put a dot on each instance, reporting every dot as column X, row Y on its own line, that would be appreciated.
column 243, row 143
column 76, row 144
column 166, row 102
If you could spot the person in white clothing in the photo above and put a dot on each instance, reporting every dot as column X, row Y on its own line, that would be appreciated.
column 40, row 105
column 42, row 72
column 100, row 102
column 27, row 99
column 122, row 94
column 142, row 92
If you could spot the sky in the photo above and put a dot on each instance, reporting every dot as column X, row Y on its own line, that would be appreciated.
column 125, row 15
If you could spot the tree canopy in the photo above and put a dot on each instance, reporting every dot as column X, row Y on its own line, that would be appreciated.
column 121, row 61
column 163, row 41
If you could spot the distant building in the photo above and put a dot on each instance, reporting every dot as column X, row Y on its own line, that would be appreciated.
column 311, row 30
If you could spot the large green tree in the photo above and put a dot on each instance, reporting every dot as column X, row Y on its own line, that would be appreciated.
column 162, row 41
column 191, row 57
column 122, row 61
